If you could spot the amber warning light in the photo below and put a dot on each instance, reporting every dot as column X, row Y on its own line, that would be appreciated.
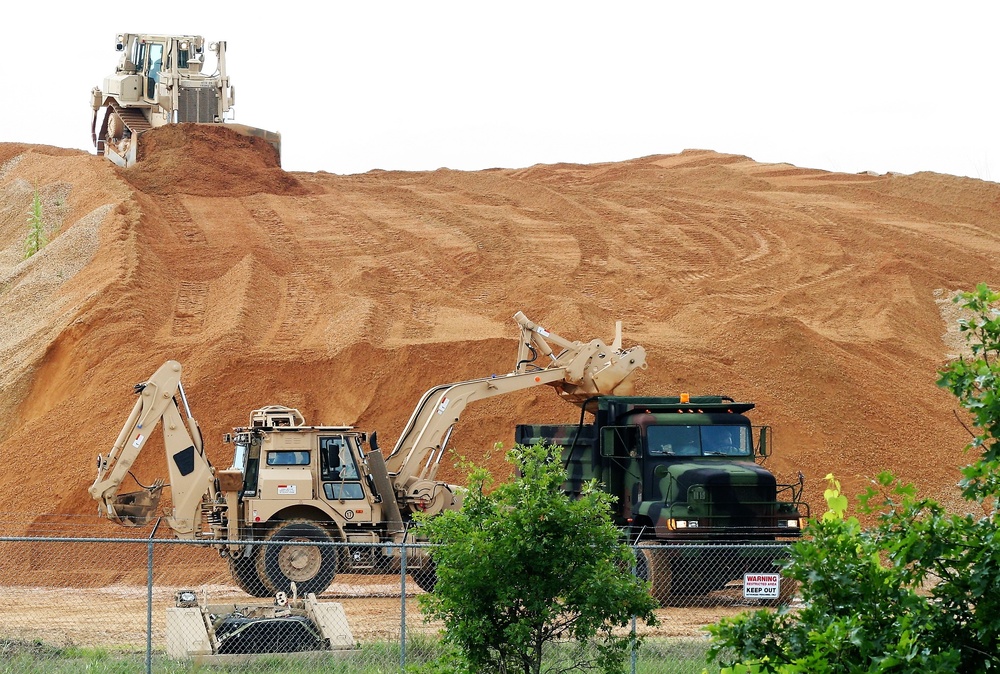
column 685, row 397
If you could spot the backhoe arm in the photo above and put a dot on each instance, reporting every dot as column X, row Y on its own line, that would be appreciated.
column 589, row 369
column 191, row 475
column 579, row 373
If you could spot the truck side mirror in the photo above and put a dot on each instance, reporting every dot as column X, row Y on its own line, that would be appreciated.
column 762, row 448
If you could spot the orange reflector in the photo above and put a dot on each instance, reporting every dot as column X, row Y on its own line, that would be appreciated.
column 685, row 397
column 538, row 379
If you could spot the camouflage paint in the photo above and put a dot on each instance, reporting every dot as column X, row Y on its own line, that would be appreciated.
column 716, row 497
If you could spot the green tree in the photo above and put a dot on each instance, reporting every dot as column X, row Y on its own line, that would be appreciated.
column 919, row 591
column 524, row 565
column 36, row 228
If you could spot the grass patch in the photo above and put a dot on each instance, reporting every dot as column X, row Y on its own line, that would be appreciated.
column 655, row 657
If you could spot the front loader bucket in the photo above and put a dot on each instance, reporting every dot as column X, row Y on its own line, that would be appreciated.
column 136, row 508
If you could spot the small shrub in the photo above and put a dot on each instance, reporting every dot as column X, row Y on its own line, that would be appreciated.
column 37, row 238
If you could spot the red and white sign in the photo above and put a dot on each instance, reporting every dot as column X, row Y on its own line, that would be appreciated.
column 761, row 585
column 286, row 489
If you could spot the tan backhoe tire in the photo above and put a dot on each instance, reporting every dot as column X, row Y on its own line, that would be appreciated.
column 244, row 572
column 659, row 567
column 310, row 567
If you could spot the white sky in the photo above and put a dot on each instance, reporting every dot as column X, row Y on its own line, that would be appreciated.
column 844, row 86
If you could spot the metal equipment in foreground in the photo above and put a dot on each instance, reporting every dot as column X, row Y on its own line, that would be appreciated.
column 206, row 631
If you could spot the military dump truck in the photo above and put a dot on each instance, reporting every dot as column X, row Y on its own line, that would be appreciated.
column 290, row 484
column 683, row 470
column 158, row 81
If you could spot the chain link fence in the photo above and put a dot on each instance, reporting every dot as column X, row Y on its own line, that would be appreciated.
column 73, row 603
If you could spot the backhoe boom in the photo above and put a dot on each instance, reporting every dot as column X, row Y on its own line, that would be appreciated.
column 192, row 478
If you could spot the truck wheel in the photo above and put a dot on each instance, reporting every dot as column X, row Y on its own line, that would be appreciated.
column 244, row 572
column 425, row 577
column 642, row 566
column 310, row 567
column 659, row 569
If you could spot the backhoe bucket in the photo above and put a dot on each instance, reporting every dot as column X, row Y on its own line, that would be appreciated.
column 136, row 508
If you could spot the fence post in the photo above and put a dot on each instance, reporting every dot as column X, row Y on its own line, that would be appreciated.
column 149, row 598
column 402, row 609
column 635, row 572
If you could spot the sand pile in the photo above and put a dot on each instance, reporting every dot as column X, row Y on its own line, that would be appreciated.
column 176, row 159
column 817, row 295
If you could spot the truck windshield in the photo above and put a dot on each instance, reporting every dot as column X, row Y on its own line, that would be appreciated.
column 717, row 440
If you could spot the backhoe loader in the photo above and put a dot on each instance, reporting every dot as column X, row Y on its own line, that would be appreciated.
column 291, row 484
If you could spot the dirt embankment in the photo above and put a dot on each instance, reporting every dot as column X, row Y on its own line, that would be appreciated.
column 822, row 297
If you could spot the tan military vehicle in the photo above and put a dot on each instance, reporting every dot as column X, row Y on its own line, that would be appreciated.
column 160, row 79
column 291, row 484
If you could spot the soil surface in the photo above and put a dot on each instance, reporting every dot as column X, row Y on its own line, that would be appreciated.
column 822, row 297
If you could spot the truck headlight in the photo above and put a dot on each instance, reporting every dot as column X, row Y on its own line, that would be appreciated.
column 682, row 524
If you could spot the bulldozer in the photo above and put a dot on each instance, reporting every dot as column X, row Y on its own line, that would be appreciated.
column 159, row 80
column 293, row 489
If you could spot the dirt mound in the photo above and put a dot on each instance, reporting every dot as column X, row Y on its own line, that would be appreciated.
column 822, row 297
column 206, row 160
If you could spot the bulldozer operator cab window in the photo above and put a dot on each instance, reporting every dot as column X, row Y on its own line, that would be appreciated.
column 338, row 470
column 154, row 61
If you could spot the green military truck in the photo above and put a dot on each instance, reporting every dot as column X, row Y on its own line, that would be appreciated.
column 686, row 475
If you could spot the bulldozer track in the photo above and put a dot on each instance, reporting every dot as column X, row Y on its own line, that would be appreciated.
column 189, row 316
column 270, row 222
column 297, row 310
column 176, row 212
column 133, row 118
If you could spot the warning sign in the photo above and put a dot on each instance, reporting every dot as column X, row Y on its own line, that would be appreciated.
column 761, row 585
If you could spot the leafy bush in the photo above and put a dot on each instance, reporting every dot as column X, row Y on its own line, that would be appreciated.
column 917, row 592
column 524, row 566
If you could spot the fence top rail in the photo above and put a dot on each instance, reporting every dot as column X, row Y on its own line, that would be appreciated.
column 747, row 545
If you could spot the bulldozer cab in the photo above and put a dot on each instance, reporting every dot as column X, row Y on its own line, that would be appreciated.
column 153, row 63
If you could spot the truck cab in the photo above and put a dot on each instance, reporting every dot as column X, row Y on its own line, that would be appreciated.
column 682, row 468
